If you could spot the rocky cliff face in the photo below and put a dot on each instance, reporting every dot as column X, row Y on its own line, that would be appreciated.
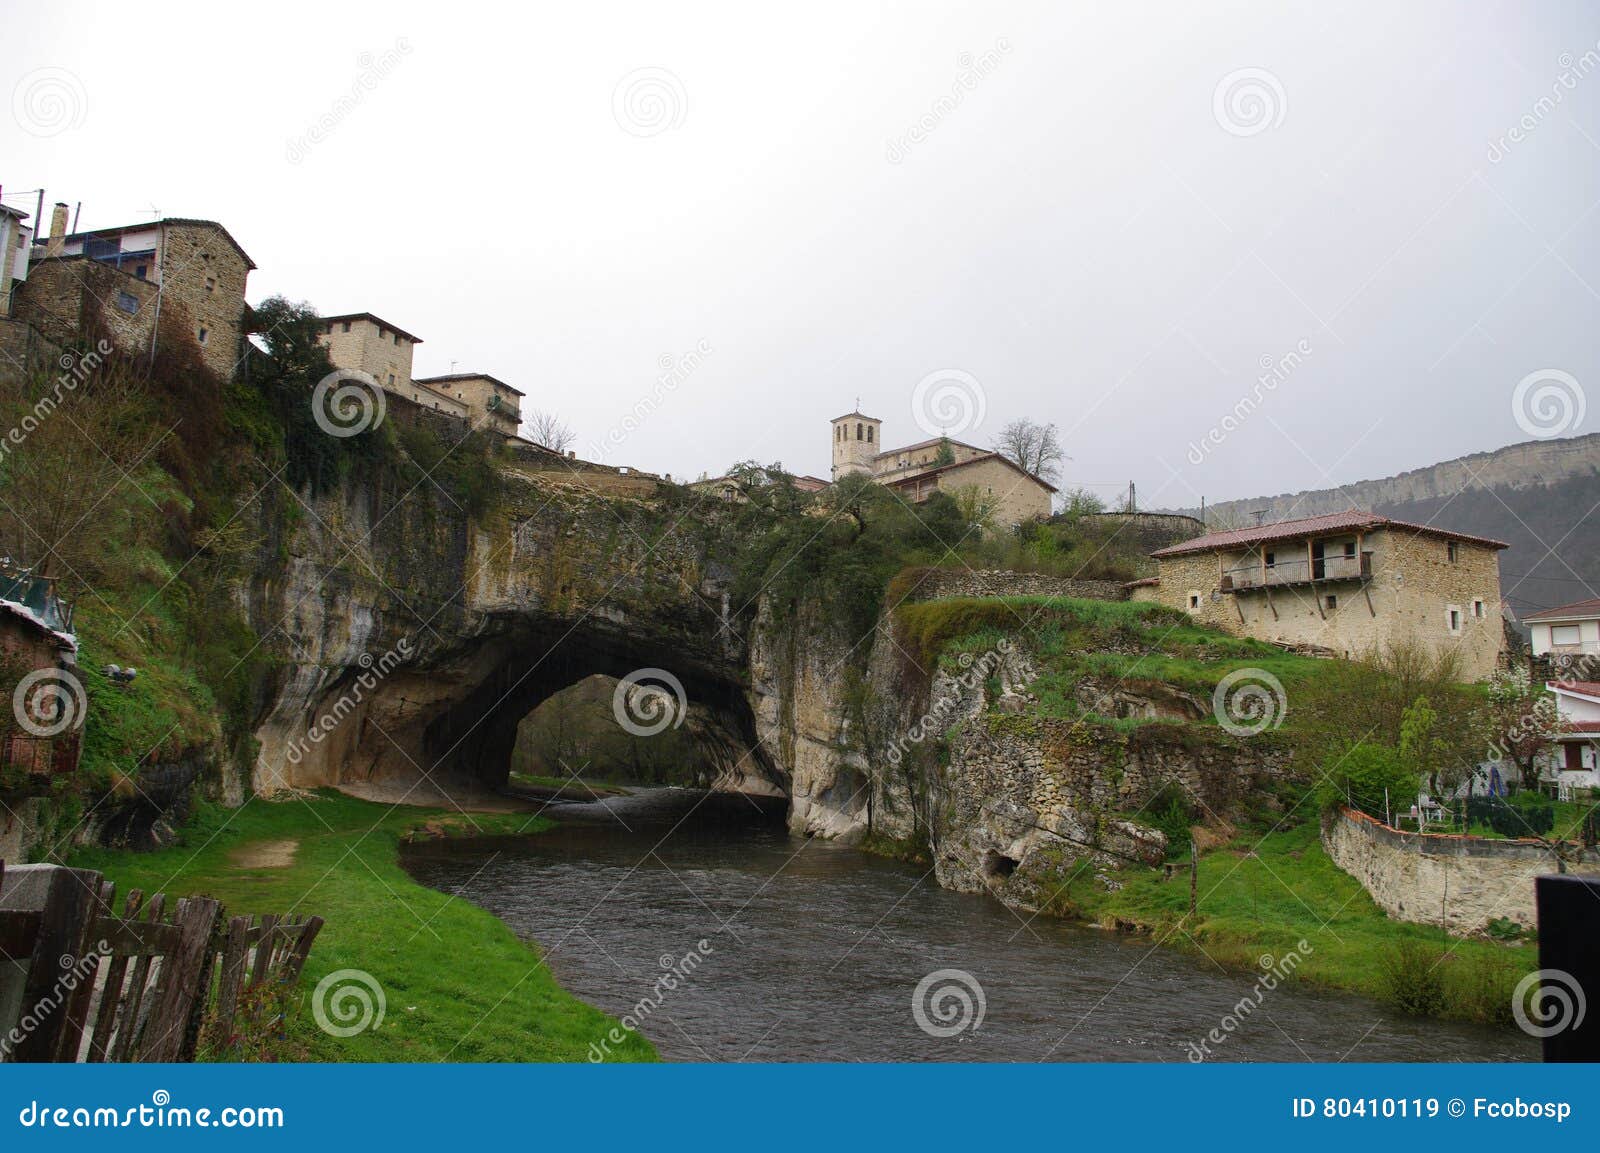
column 414, row 638
column 961, row 770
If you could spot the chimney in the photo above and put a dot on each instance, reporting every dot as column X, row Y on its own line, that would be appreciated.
column 58, row 230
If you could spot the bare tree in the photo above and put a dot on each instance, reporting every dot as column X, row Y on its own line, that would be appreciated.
column 549, row 430
column 1032, row 447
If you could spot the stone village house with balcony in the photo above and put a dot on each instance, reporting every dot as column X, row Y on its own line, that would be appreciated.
column 1343, row 583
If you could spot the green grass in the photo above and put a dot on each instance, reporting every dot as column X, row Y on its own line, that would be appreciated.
column 1262, row 895
column 1072, row 638
column 459, row 984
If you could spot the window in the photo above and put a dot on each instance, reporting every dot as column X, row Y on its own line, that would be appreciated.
column 397, row 340
column 204, row 332
column 858, row 430
column 211, row 284
column 1332, row 601
column 1574, row 757
column 1450, row 551
column 1477, row 609
column 345, row 327
column 391, row 380
column 1349, row 548
column 1454, row 616
column 1272, row 559
column 1565, row 635
column 1194, row 600
column 869, row 434
column 141, row 271
column 128, row 302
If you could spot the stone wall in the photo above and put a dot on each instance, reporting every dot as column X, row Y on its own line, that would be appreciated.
column 935, row 584
column 204, row 274
column 1463, row 882
column 24, row 349
column 67, row 297
column 1023, row 801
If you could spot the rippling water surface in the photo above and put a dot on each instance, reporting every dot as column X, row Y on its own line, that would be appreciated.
column 816, row 951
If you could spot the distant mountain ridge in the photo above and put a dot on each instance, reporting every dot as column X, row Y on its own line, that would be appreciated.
column 1541, row 496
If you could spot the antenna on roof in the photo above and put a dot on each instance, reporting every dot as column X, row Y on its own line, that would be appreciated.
column 1260, row 514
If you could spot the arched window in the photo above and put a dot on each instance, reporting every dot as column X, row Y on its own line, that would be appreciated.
column 869, row 434
column 858, row 430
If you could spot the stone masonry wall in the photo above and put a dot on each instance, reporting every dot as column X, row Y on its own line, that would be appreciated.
column 202, row 272
column 936, row 584
column 1465, row 882
column 64, row 295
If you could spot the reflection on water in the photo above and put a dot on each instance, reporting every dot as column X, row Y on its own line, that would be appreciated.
column 814, row 951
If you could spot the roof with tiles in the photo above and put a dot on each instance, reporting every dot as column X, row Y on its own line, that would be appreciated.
column 1352, row 521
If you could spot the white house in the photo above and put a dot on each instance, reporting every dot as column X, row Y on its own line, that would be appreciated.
column 1575, row 762
column 1567, row 630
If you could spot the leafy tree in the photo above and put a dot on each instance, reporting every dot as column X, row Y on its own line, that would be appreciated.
column 1080, row 502
column 1519, row 718
column 294, row 363
column 1033, row 447
column 1369, row 777
column 946, row 454
column 1424, row 752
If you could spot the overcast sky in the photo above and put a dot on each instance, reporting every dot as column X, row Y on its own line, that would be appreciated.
column 1107, row 217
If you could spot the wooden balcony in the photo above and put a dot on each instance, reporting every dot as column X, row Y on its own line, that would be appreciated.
column 1256, row 574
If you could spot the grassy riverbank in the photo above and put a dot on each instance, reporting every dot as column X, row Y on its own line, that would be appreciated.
column 1263, row 893
column 459, row 984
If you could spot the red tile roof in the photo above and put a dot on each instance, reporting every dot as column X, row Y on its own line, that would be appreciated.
column 1588, row 608
column 1585, row 688
column 1581, row 727
column 1350, row 521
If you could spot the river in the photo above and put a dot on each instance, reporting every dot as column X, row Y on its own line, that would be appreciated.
column 813, row 952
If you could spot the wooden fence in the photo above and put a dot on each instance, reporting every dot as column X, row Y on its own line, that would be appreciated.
column 80, row 983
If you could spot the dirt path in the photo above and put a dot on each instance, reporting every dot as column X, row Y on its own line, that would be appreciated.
column 265, row 855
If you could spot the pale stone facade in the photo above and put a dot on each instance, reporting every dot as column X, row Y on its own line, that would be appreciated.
column 488, row 401
column 916, row 473
column 362, row 342
column 1348, row 584
column 1016, row 495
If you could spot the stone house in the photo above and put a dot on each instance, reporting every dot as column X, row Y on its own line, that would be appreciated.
column 362, row 342
column 1344, row 583
column 132, row 277
column 489, row 401
column 917, row 471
